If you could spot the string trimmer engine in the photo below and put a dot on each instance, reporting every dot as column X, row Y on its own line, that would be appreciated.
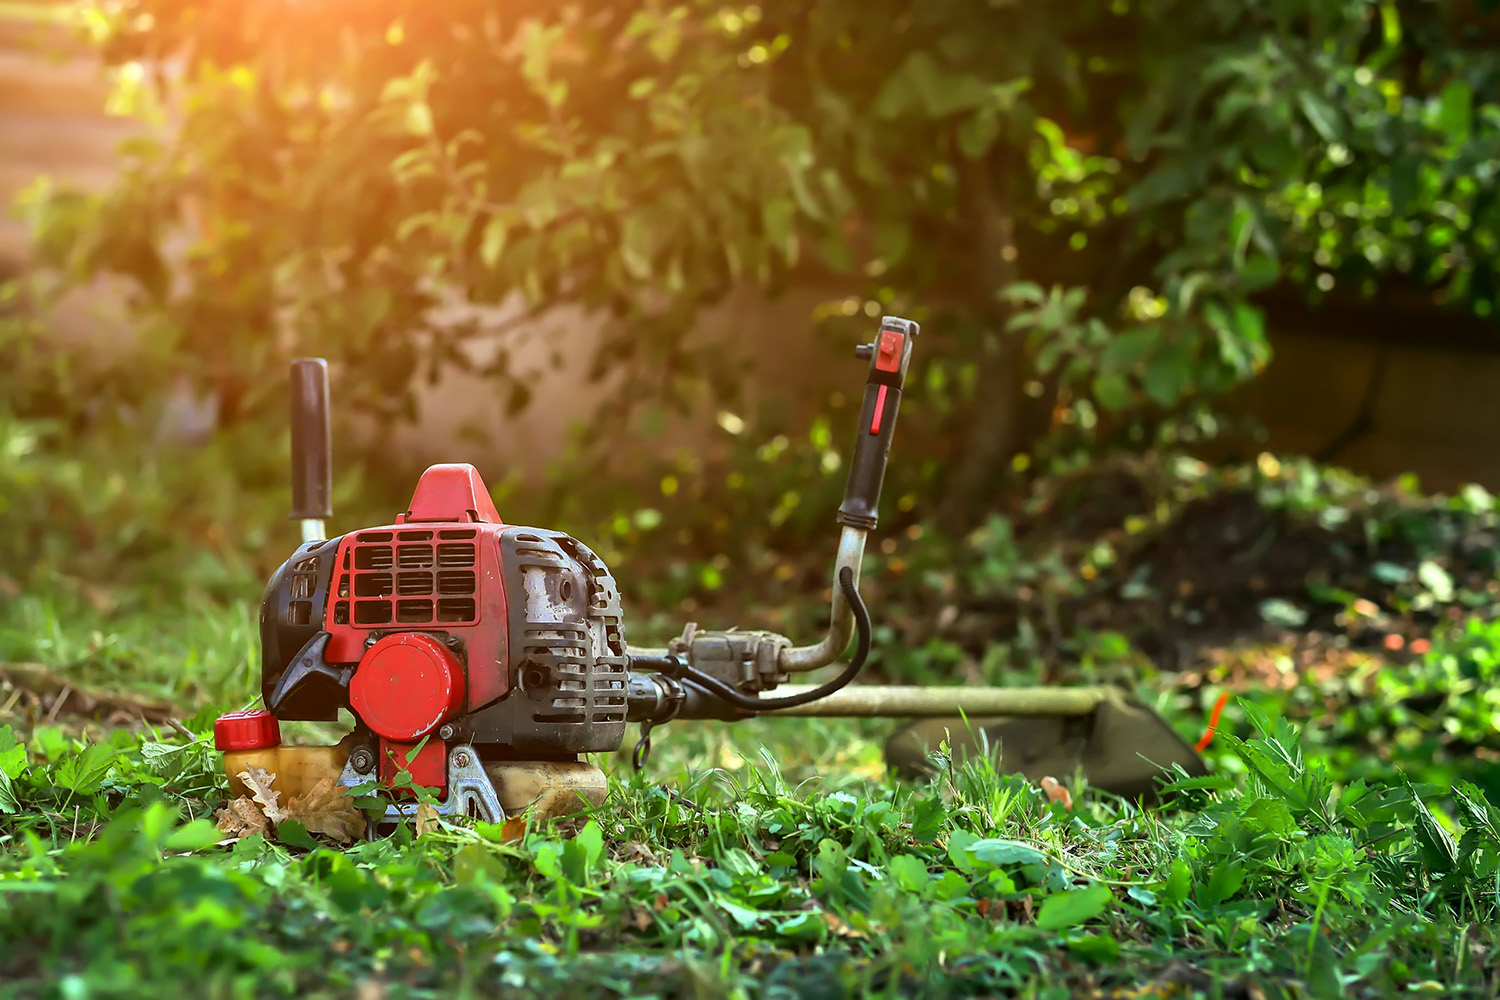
column 481, row 661
column 454, row 639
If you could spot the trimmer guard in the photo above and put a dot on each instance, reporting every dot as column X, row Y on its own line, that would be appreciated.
column 1122, row 747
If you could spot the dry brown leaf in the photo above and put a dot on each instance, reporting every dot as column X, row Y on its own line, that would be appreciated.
column 242, row 818
column 1056, row 792
column 327, row 810
column 427, row 818
column 370, row 989
column 259, row 781
column 512, row 830
column 840, row 927
column 636, row 851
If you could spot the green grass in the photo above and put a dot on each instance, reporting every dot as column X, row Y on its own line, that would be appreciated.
column 763, row 859
column 193, row 655
column 1352, row 851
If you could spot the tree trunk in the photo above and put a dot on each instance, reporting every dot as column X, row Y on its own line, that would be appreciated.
column 994, row 431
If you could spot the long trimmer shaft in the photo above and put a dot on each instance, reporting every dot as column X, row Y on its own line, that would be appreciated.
column 647, row 702
column 869, row 700
column 1121, row 745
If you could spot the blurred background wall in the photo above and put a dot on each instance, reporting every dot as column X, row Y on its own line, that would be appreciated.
column 52, row 123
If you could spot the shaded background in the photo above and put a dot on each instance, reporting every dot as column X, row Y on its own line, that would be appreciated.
column 1381, row 389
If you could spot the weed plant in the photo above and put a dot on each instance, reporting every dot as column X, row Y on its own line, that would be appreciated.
column 782, row 873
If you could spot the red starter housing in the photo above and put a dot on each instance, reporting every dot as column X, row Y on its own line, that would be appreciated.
column 407, row 685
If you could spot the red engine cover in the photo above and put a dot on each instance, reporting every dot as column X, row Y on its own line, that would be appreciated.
column 436, row 569
column 406, row 685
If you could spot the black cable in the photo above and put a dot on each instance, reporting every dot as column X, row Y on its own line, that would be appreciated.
column 673, row 665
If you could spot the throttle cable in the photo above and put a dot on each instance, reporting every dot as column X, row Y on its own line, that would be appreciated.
column 674, row 666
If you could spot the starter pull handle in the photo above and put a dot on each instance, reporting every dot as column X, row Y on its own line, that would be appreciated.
column 312, row 446
column 889, row 357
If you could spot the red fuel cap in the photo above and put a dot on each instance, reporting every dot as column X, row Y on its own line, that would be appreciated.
column 252, row 729
column 406, row 685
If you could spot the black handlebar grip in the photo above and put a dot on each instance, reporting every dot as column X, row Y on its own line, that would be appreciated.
column 312, row 440
column 889, row 356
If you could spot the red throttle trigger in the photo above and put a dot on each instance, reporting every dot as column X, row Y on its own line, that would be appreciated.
column 889, row 356
column 892, row 351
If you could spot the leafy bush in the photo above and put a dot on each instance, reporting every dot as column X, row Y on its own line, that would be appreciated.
column 1436, row 718
column 70, row 509
column 1453, row 695
column 1086, row 200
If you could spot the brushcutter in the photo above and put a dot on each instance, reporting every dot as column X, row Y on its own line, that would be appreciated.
column 482, row 661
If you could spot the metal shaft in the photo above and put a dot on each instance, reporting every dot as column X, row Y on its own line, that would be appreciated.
column 797, row 659
column 861, row 701
column 800, row 659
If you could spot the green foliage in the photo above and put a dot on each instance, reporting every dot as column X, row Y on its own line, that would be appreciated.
column 1089, row 202
column 1434, row 718
column 1453, row 693
column 72, row 507
column 1353, row 854
column 743, row 881
column 106, row 507
column 1086, row 199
